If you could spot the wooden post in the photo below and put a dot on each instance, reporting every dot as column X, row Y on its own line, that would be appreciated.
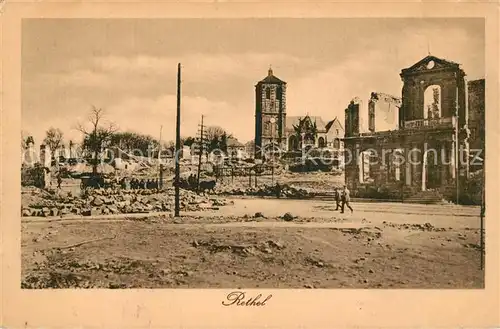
column 199, row 158
column 232, row 175
column 160, row 176
column 160, row 184
column 178, row 142
column 483, row 208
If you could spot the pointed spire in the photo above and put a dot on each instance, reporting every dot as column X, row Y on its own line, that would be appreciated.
column 428, row 48
column 270, row 71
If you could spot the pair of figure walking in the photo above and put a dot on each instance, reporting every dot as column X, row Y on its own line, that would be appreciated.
column 342, row 199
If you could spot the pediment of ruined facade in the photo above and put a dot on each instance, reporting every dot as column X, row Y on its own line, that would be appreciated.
column 430, row 63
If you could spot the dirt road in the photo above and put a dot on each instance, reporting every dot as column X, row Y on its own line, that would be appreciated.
column 379, row 246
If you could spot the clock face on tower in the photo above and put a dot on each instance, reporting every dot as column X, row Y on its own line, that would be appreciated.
column 430, row 65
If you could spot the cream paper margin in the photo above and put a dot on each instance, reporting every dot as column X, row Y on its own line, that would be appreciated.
column 201, row 308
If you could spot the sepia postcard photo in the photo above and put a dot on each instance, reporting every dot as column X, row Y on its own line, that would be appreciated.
column 249, row 157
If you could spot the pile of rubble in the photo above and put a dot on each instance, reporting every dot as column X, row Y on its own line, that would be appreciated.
column 113, row 201
column 283, row 191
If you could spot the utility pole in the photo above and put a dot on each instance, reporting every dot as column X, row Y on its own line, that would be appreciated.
column 178, row 141
column 202, row 141
column 160, row 167
column 483, row 209
column 159, row 145
column 457, row 146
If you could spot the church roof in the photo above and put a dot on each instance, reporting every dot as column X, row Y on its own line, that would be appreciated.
column 271, row 78
column 294, row 120
column 330, row 124
column 233, row 142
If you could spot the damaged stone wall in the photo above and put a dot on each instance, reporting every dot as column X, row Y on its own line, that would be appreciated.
column 383, row 112
column 477, row 113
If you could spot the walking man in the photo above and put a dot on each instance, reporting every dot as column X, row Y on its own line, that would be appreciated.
column 337, row 198
column 346, row 198
column 59, row 180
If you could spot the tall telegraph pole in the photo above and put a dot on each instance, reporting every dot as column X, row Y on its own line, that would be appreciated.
column 160, row 166
column 178, row 141
column 201, row 147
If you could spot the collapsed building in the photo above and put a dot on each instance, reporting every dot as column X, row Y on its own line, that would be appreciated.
column 419, row 142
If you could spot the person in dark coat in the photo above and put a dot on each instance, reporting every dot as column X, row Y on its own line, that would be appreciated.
column 346, row 198
column 278, row 190
column 59, row 180
column 337, row 198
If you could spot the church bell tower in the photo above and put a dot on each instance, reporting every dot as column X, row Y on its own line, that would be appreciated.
column 270, row 114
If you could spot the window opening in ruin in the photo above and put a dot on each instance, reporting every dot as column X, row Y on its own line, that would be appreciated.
column 397, row 160
column 271, row 105
column 267, row 128
column 293, row 143
column 365, row 160
column 371, row 118
column 268, row 93
column 336, row 143
column 432, row 102
column 321, row 142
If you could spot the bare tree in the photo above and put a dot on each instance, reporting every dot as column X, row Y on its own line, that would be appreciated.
column 98, row 135
column 54, row 140
column 216, row 138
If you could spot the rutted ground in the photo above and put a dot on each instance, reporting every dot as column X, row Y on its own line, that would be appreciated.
column 369, row 250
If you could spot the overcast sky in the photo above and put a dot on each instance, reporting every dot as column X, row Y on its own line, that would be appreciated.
column 128, row 67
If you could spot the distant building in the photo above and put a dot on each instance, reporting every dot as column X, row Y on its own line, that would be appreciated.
column 312, row 131
column 250, row 148
column 30, row 156
column 235, row 149
column 305, row 131
column 335, row 135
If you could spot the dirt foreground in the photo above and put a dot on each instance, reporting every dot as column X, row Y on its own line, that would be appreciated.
column 379, row 246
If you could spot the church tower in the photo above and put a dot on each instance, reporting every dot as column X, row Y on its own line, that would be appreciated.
column 270, row 114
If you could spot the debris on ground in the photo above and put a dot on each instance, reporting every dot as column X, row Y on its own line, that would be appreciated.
column 94, row 202
column 288, row 217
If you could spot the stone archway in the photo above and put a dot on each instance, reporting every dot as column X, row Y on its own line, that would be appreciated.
column 432, row 102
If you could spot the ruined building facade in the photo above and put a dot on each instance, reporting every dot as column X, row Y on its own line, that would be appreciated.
column 383, row 112
column 270, row 114
column 477, row 120
column 427, row 147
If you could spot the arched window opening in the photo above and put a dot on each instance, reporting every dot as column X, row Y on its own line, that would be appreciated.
column 321, row 142
column 432, row 102
column 293, row 143
column 336, row 143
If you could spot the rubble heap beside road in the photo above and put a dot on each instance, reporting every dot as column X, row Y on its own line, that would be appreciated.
column 42, row 203
column 285, row 191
